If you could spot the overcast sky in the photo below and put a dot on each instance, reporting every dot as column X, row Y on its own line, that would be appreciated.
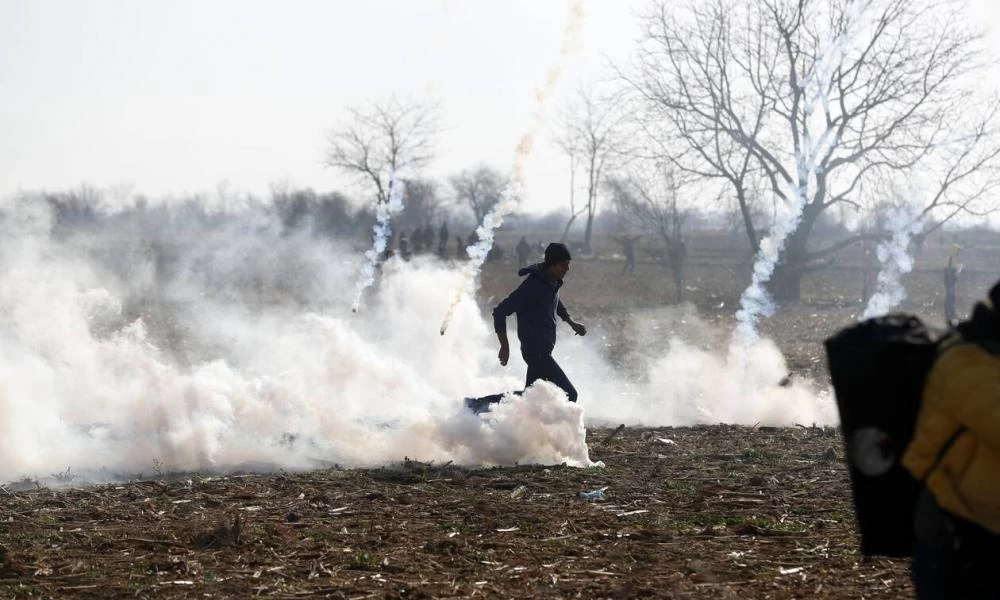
column 177, row 96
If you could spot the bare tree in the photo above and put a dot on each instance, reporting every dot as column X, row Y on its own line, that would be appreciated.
column 383, row 140
column 328, row 214
column 574, row 211
column 748, row 207
column 479, row 189
column 652, row 202
column 423, row 203
column 591, row 134
column 822, row 99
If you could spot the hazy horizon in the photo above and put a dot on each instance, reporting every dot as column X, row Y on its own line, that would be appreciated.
column 172, row 99
column 178, row 98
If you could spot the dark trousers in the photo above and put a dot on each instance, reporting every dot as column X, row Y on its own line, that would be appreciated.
column 949, row 305
column 948, row 574
column 954, row 559
column 547, row 369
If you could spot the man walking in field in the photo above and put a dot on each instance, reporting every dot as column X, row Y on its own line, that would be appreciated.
column 443, row 239
column 536, row 304
column 951, row 271
column 628, row 248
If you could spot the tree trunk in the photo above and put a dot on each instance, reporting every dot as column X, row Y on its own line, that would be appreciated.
column 865, row 271
column 676, row 256
column 588, row 232
column 918, row 246
column 572, row 198
column 569, row 224
column 748, row 221
column 677, row 260
column 786, row 282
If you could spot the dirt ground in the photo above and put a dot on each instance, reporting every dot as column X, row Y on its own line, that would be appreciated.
column 703, row 512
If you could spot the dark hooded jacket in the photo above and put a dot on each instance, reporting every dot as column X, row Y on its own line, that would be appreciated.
column 536, row 304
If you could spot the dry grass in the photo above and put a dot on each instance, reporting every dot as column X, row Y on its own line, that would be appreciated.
column 714, row 512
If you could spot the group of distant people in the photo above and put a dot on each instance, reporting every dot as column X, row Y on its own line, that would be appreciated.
column 424, row 240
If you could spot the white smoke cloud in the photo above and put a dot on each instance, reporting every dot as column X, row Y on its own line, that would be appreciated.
column 532, row 428
column 686, row 372
column 224, row 362
column 147, row 338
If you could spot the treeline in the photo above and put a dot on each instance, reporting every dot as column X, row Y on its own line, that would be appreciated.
column 285, row 211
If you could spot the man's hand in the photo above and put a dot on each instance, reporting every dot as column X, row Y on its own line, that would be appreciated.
column 578, row 328
column 504, row 348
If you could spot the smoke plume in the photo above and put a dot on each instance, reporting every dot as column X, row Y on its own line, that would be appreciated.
column 512, row 194
column 818, row 137
column 380, row 237
column 181, row 338
column 895, row 260
column 755, row 300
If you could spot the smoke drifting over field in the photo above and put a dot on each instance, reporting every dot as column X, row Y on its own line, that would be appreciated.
column 216, row 340
column 700, row 374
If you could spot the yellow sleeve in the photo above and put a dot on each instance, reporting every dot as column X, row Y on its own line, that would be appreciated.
column 965, row 385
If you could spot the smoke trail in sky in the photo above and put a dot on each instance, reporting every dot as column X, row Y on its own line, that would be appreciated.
column 512, row 194
column 756, row 300
column 816, row 107
column 380, row 238
column 895, row 261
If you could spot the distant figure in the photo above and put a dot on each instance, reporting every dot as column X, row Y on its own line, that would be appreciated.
column 418, row 240
column 459, row 248
column 523, row 250
column 443, row 239
column 428, row 238
column 677, row 253
column 473, row 238
column 404, row 246
column 950, row 280
column 628, row 249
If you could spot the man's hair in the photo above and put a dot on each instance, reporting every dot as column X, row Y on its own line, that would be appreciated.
column 556, row 253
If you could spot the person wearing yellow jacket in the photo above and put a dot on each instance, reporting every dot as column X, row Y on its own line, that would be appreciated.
column 955, row 451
